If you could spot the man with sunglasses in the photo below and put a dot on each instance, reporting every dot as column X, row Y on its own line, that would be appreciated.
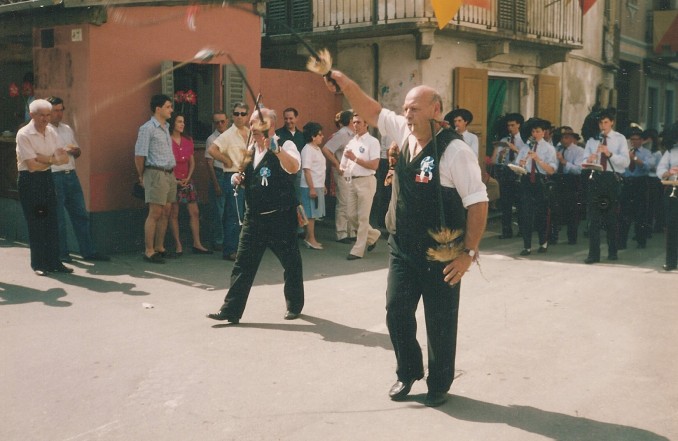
column 229, row 148
column 217, row 190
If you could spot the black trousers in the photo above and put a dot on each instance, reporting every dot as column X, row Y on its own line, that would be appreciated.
column 565, row 207
column 533, row 210
column 634, row 209
column 602, row 211
column 408, row 281
column 277, row 231
column 509, row 189
column 671, row 206
column 39, row 205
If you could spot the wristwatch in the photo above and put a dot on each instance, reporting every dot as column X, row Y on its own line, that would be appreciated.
column 471, row 253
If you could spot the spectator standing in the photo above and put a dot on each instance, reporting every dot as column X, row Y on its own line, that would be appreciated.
column 313, row 189
column 333, row 151
column 667, row 170
column 183, row 150
column 230, row 148
column 154, row 162
column 69, row 193
column 359, row 164
column 37, row 149
column 218, row 190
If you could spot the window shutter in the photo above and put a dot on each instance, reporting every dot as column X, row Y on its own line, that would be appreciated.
column 167, row 78
column 302, row 17
column 548, row 98
column 470, row 92
column 276, row 13
column 234, row 87
column 512, row 15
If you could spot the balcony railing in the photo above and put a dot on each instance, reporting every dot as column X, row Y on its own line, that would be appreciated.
column 550, row 20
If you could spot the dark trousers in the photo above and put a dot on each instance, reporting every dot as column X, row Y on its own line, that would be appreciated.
column 234, row 210
column 671, row 229
column 382, row 197
column 602, row 211
column 276, row 231
column 533, row 210
column 656, row 202
column 565, row 207
column 408, row 281
column 38, row 202
column 510, row 196
column 634, row 209
column 71, row 199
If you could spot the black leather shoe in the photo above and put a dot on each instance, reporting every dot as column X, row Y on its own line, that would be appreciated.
column 353, row 257
column 400, row 389
column 371, row 247
column 345, row 240
column 590, row 260
column 61, row 269
column 291, row 315
column 221, row 316
column 542, row 249
column 525, row 252
column 97, row 257
column 669, row 267
column 435, row 399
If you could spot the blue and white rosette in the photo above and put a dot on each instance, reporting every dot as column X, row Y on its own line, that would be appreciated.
column 427, row 165
column 265, row 173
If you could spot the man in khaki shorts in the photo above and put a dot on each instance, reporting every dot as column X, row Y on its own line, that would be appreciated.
column 155, row 163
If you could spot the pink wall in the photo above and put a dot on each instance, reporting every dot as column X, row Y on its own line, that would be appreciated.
column 100, row 79
column 306, row 92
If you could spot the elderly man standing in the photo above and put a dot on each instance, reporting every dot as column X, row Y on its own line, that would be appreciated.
column 218, row 185
column 229, row 148
column 155, row 163
column 69, row 191
column 359, row 165
column 37, row 149
column 435, row 178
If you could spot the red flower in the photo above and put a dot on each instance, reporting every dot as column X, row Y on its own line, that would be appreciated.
column 179, row 96
column 191, row 97
column 13, row 90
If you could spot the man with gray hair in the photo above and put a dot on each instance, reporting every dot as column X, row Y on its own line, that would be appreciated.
column 37, row 149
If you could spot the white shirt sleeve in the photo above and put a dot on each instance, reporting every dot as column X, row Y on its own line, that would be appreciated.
column 459, row 169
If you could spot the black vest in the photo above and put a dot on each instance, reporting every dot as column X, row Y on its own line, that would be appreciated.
column 277, row 195
column 417, row 209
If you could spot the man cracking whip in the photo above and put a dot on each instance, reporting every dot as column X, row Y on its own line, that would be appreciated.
column 436, row 219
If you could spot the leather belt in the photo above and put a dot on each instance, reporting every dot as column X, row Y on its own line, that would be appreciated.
column 153, row 167
column 63, row 171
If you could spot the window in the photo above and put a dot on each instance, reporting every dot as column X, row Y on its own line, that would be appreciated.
column 281, row 15
column 512, row 15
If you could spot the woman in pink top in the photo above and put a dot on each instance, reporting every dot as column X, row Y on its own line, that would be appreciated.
column 182, row 147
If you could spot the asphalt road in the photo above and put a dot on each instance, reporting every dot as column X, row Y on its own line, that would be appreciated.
column 549, row 348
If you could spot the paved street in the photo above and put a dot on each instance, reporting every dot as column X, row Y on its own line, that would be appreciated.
column 549, row 348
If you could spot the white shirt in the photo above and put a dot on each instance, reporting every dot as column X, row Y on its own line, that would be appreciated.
column 364, row 147
column 668, row 161
column 208, row 143
column 312, row 159
column 574, row 157
column 338, row 141
column 458, row 165
column 234, row 146
column 288, row 146
column 66, row 136
column 472, row 140
column 617, row 145
column 545, row 151
column 30, row 143
column 518, row 142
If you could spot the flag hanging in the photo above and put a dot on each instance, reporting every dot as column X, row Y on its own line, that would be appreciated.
column 586, row 5
column 445, row 10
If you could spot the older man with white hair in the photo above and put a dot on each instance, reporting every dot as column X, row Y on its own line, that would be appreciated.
column 37, row 149
column 268, row 174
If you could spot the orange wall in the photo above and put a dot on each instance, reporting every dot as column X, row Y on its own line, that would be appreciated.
column 101, row 79
column 306, row 92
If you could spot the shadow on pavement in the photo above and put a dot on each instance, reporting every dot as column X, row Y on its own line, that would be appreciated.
column 553, row 425
column 15, row 295
column 103, row 286
column 330, row 331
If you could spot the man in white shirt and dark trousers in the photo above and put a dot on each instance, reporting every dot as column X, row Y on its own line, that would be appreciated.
column 568, row 186
column 611, row 153
column 69, row 192
column 359, row 165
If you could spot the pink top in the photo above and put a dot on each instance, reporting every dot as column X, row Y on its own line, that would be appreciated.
column 182, row 154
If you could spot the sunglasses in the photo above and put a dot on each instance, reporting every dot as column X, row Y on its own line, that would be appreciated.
column 239, row 113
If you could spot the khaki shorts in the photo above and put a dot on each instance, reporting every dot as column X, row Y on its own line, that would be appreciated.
column 160, row 187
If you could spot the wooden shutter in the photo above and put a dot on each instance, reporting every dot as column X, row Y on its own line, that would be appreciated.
column 470, row 92
column 301, row 16
column 548, row 98
column 234, row 87
column 167, row 78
